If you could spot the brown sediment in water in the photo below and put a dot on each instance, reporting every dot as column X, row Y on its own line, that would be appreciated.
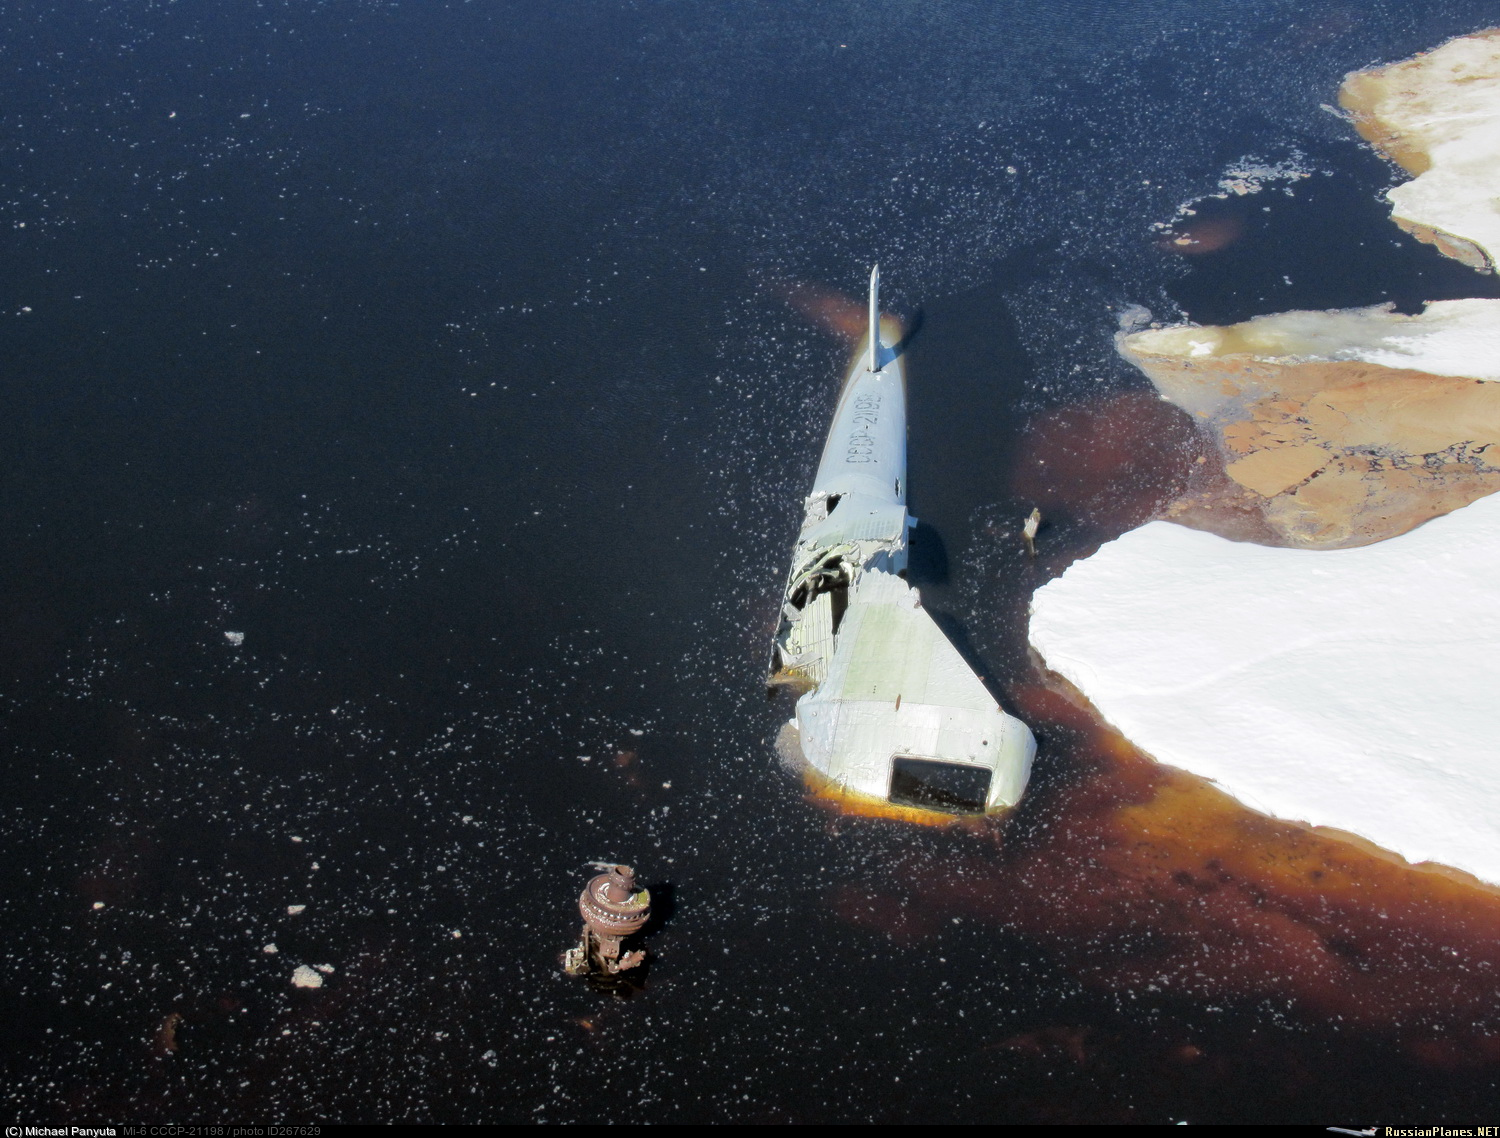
column 1124, row 458
column 1315, row 430
column 825, row 308
column 1327, row 454
column 1146, row 879
column 1193, row 237
column 835, row 312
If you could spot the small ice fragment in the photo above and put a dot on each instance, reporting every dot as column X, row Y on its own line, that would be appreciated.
column 666, row 786
column 326, row 969
column 468, row 817
column 315, row 865
column 633, row 731
column 293, row 910
column 270, row 950
column 491, row 1057
column 296, row 839
column 305, row 977
column 235, row 638
column 98, row 904
column 457, row 934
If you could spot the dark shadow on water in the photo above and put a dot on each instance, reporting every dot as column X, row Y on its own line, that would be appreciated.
column 663, row 906
column 622, row 985
column 928, row 560
column 913, row 325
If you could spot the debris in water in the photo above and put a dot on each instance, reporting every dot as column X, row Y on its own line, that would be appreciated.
column 166, row 1034
column 612, row 909
column 891, row 716
column 1029, row 528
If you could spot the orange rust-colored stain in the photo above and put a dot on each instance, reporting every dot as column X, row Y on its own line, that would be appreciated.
column 165, row 1040
column 1124, row 457
column 1196, row 236
column 825, row 308
column 1144, row 878
column 835, row 312
column 1072, row 1042
column 830, row 795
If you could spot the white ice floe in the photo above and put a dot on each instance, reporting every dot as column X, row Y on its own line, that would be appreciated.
column 1439, row 115
column 293, row 910
column 235, row 638
column 305, row 977
column 1351, row 688
column 1449, row 337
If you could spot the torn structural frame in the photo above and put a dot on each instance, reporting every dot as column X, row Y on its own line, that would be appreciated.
column 893, row 712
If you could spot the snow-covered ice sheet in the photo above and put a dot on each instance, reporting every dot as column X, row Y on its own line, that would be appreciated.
column 1353, row 688
column 1438, row 115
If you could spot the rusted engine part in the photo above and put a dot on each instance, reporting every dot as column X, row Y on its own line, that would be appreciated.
column 612, row 909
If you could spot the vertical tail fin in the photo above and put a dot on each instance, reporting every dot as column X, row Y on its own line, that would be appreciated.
column 875, row 362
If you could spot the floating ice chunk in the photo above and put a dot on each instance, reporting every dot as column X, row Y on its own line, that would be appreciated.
column 326, row 969
column 98, row 904
column 1350, row 688
column 1438, row 115
column 293, row 910
column 1448, row 337
column 1134, row 317
column 305, row 977
column 270, row 950
column 235, row 638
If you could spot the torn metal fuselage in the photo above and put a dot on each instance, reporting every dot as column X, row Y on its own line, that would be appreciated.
column 890, row 710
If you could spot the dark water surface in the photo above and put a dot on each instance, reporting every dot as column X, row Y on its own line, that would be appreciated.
column 442, row 349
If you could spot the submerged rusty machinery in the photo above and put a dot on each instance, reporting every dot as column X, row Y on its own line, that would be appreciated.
column 612, row 909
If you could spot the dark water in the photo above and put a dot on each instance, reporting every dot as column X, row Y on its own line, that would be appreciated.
column 441, row 349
